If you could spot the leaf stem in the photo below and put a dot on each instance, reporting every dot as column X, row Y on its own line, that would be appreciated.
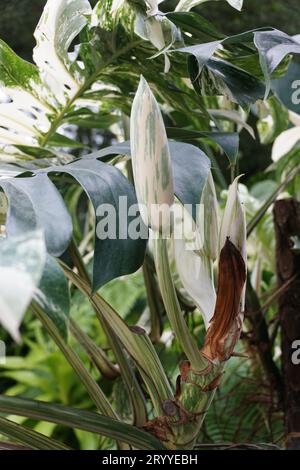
column 172, row 306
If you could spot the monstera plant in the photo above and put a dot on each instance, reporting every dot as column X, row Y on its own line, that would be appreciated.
column 175, row 93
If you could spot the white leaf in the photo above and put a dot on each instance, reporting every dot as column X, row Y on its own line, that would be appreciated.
column 151, row 159
column 237, row 4
column 194, row 267
column 22, row 261
column 195, row 273
column 285, row 142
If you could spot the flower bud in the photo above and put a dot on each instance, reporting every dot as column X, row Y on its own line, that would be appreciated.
column 151, row 161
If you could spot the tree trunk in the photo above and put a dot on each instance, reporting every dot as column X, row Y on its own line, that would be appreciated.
column 287, row 226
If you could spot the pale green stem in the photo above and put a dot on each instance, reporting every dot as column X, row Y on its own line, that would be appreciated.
column 97, row 355
column 172, row 306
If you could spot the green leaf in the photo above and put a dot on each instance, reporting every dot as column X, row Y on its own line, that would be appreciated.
column 31, row 438
column 287, row 88
column 60, row 140
column 105, row 184
column 219, row 77
column 212, row 74
column 86, row 119
column 40, row 96
column 35, row 202
column 228, row 141
column 72, row 357
column 195, row 24
column 22, row 260
column 21, row 82
column 53, row 295
column 190, row 169
column 134, row 340
column 80, row 419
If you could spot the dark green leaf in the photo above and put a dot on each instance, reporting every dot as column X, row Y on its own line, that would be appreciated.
column 53, row 295
column 105, row 184
column 190, row 169
column 219, row 77
column 86, row 119
column 194, row 24
column 228, row 141
column 60, row 140
column 225, row 78
column 287, row 88
column 80, row 419
column 35, row 202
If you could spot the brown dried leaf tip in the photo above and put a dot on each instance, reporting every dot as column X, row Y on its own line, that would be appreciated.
column 226, row 324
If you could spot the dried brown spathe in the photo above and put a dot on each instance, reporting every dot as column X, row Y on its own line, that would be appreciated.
column 226, row 323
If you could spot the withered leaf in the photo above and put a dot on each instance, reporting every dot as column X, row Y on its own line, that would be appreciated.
column 226, row 323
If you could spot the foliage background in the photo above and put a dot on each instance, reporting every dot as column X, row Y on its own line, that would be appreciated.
column 244, row 409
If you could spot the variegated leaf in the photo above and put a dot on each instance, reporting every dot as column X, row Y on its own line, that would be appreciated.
column 60, row 23
column 150, row 158
column 34, row 95
column 22, row 108
column 156, row 28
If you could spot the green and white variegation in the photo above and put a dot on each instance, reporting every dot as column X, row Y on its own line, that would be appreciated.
column 60, row 23
column 22, row 261
column 35, row 95
column 151, row 159
column 157, row 28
